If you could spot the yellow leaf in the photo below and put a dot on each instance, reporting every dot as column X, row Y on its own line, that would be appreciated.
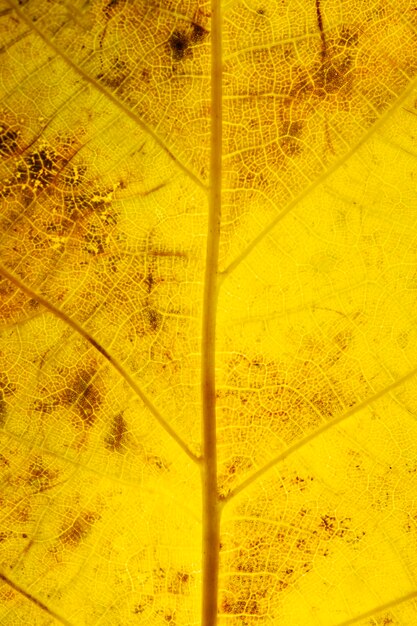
column 207, row 312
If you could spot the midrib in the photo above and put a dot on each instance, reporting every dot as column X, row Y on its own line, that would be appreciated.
column 211, row 504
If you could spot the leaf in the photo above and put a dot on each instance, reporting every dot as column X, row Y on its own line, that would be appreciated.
column 208, row 328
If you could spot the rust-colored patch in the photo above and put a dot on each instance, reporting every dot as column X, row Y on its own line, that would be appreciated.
column 330, row 74
column 157, row 461
column 233, row 606
column 83, row 395
column 4, row 462
column 154, row 318
column 178, row 583
column 22, row 513
column 149, row 282
column 40, row 478
column 116, row 76
column 198, row 33
column 290, row 136
column 116, row 440
column 76, row 531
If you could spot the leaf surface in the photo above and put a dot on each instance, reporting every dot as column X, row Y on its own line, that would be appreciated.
column 207, row 313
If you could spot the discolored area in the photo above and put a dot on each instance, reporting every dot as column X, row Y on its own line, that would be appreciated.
column 82, row 396
column 8, row 140
column 301, row 86
column 76, row 394
column 117, row 438
column 49, row 210
column 41, row 477
column 7, row 390
column 107, row 155
column 278, row 403
column 179, row 44
column 77, row 529
column 263, row 564
column 181, row 41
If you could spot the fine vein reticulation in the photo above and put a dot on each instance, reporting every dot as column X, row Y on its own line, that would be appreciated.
column 117, row 366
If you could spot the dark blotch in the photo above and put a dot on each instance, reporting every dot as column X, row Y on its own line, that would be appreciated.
column 8, row 141
column 37, row 169
column 111, row 4
column 39, row 162
column 199, row 33
column 179, row 43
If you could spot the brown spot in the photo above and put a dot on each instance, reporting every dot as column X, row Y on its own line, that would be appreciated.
column 74, row 175
column 94, row 243
column 41, row 478
column 3, row 461
column 8, row 141
column 3, row 408
column 116, row 76
column 157, row 461
column 198, row 33
column 328, row 524
column 154, row 319
column 145, row 75
column 290, row 138
column 178, row 583
column 117, row 437
column 22, row 513
column 179, row 44
column 79, row 528
column 149, row 282
column 183, row 577
column 348, row 37
column 230, row 606
column 168, row 253
column 110, row 6
column 83, row 395
column 321, row 29
column 6, row 390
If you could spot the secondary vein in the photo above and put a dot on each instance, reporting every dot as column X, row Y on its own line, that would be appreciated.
column 72, row 323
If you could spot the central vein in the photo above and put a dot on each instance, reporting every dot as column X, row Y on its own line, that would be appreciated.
column 211, row 504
